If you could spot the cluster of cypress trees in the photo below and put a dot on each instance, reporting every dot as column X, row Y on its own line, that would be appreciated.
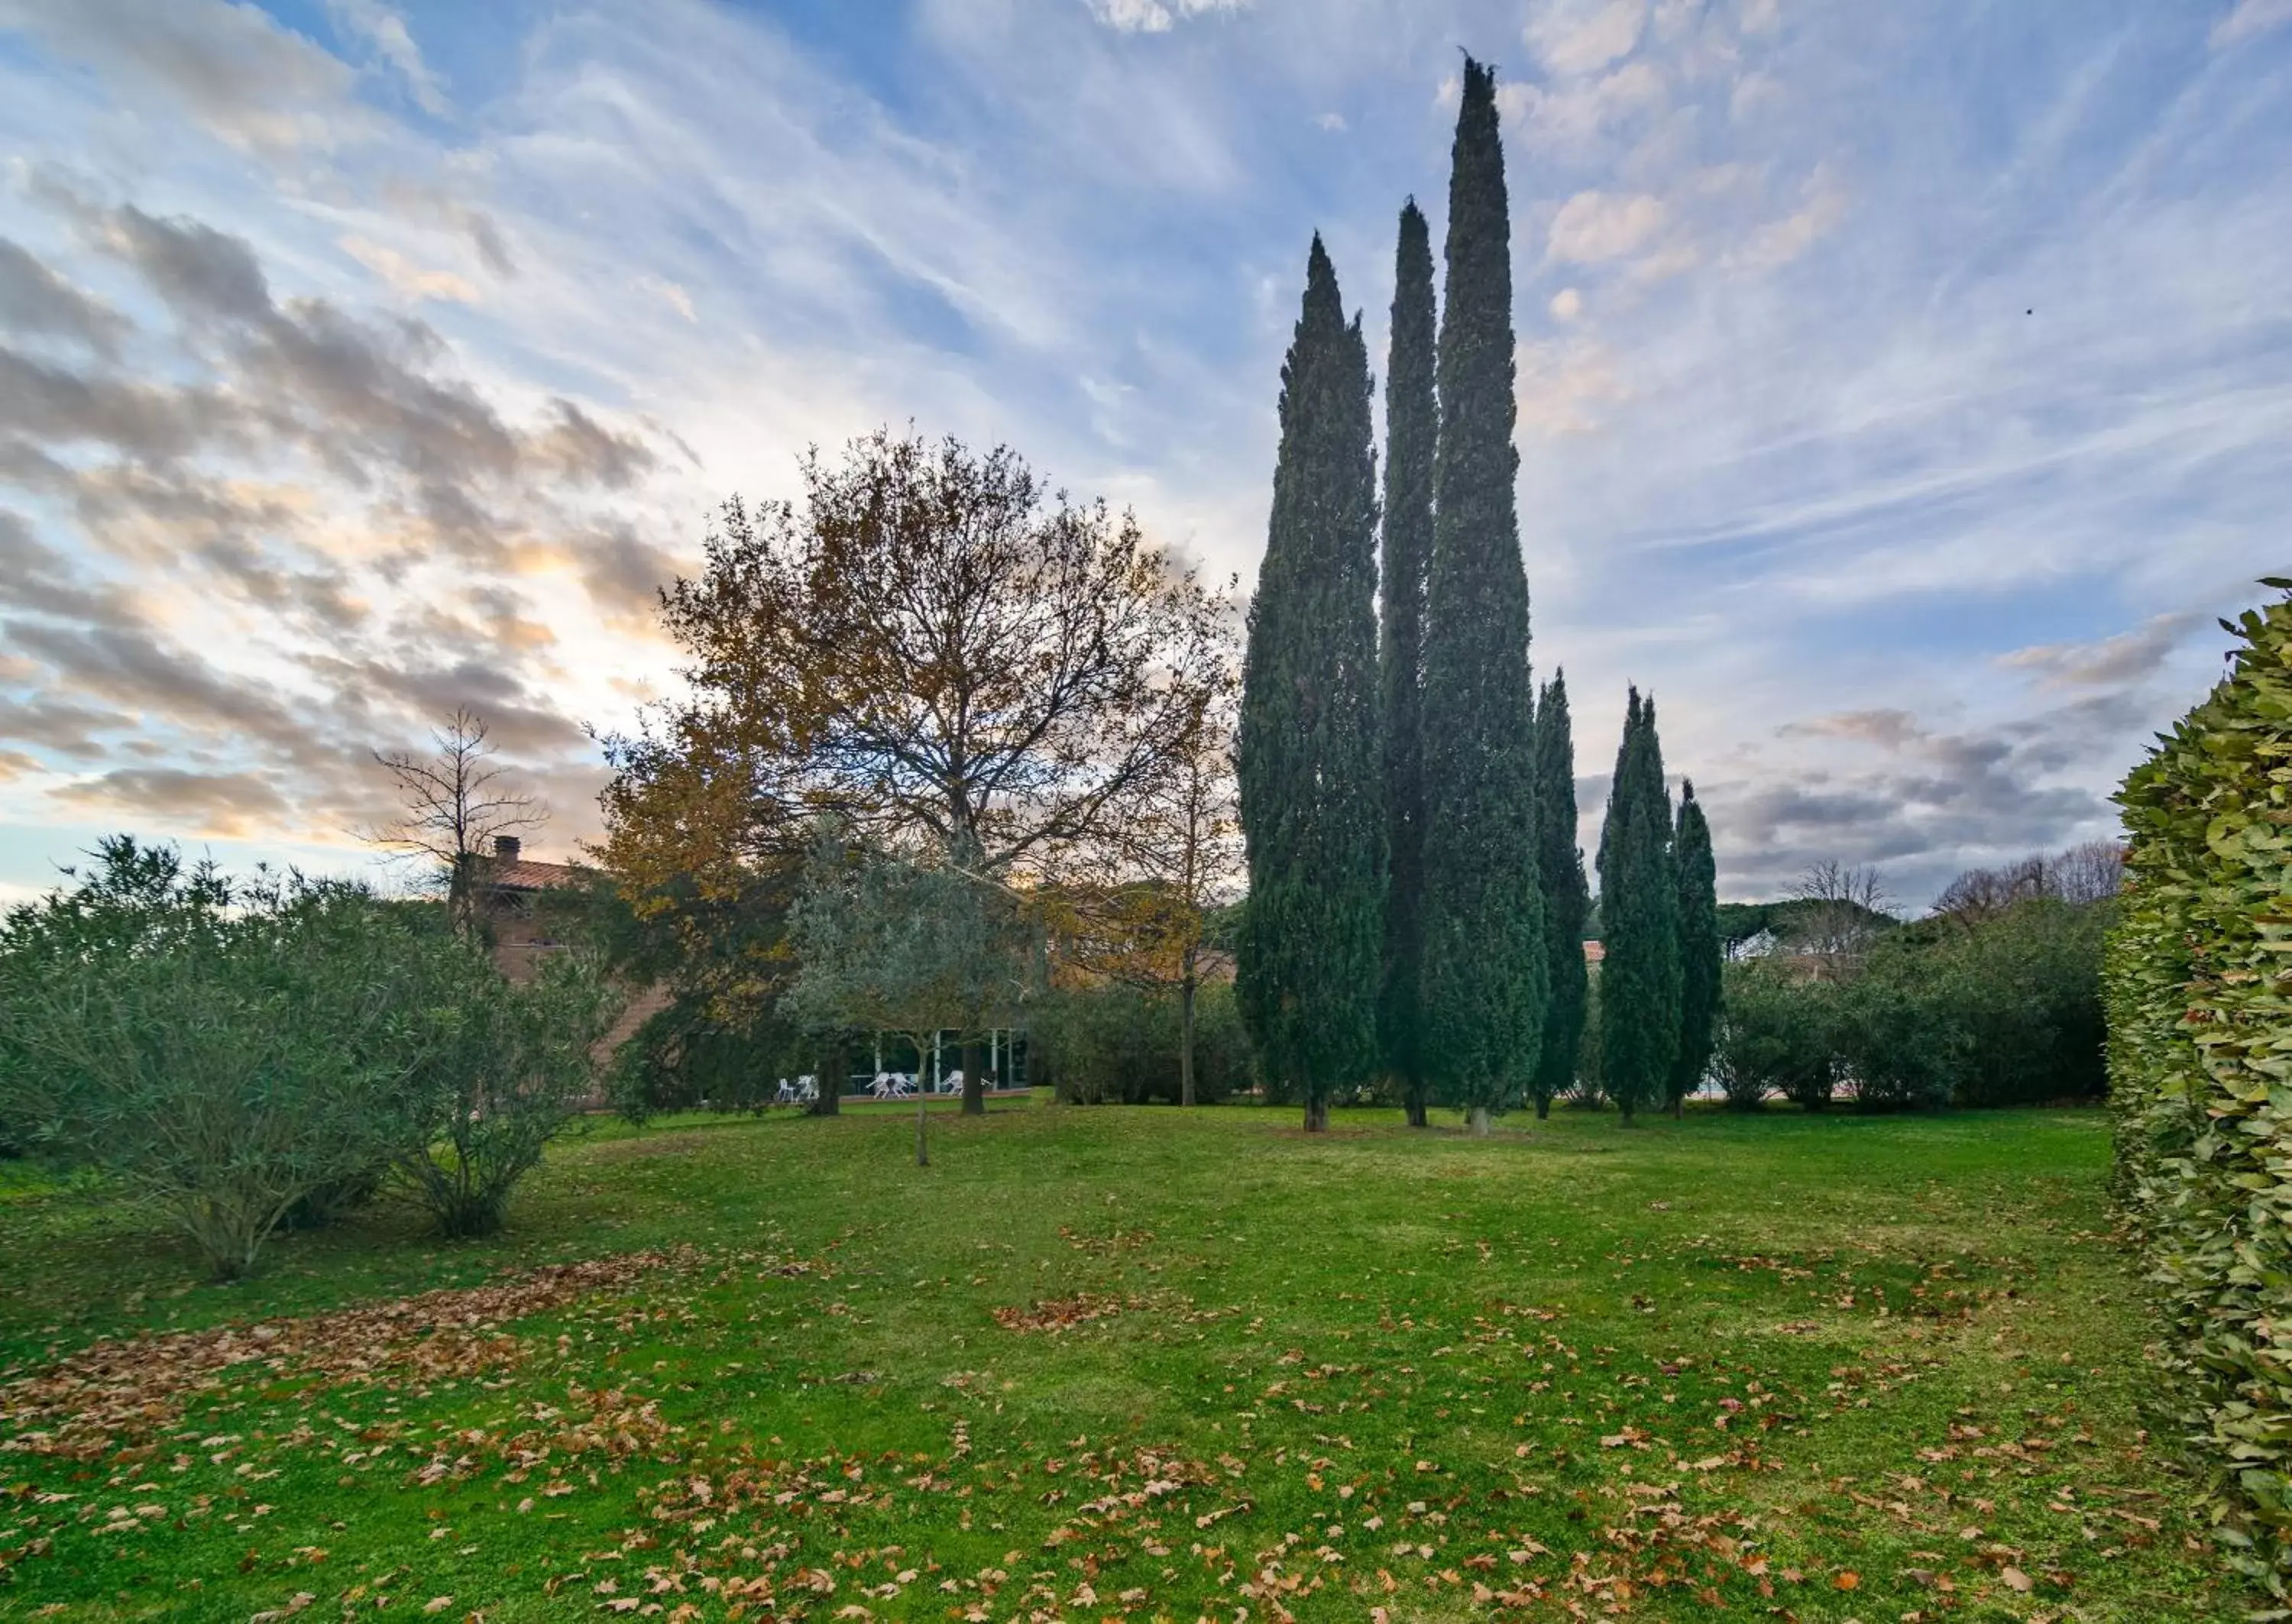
column 1418, row 898
column 1660, row 921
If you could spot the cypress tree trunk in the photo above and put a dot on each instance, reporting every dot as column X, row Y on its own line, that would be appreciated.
column 1307, row 755
column 923, row 1152
column 974, row 1077
column 1477, row 1119
column 1701, row 953
column 1484, row 973
column 1412, row 432
column 1567, row 899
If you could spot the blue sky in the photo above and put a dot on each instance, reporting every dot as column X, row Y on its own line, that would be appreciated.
column 1904, row 390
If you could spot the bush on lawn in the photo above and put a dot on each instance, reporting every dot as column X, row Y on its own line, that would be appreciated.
column 2199, row 1000
column 227, row 1051
column 2011, row 999
column 1775, row 1036
column 509, row 1067
column 1901, row 1042
column 246, row 1056
column 1118, row 1045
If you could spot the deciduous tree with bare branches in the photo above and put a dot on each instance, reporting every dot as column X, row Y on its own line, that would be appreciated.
column 1841, row 911
column 1143, row 921
column 457, row 803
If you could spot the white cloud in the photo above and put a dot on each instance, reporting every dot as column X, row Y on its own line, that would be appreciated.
column 1562, row 385
column 246, row 80
column 385, row 31
column 404, row 276
column 1823, row 204
column 1582, row 37
column 1332, row 122
column 1155, row 16
column 672, row 294
column 1593, row 227
column 1566, row 305
column 1573, row 114
column 1762, row 16
column 2250, row 19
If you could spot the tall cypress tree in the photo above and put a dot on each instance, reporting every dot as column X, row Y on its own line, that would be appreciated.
column 1696, row 879
column 1567, row 900
column 1412, row 427
column 1484, row 978
column 1309, row 761
column 1639, row 917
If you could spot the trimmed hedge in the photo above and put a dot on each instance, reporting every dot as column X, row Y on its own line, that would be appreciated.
column 2200, row 1001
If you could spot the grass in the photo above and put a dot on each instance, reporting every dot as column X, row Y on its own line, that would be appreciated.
column 1137, row 1363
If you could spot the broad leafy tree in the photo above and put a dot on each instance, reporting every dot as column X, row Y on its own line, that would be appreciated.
column 929, row 646
column 1484, row 980
column 1310, row 764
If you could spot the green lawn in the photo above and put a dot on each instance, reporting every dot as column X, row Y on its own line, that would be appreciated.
column 1135, row 1362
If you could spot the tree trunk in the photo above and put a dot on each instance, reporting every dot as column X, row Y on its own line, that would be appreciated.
column 1478, row 1120
column 1317, row 1113
column 923, row 1154
column 1543, row 1106
column 974, row 1077
column 829, row 1080
column 1678, row 1106
column 1186, row 1037
column 1412, row 1100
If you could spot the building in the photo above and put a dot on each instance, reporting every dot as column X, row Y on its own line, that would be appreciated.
column 510, row 888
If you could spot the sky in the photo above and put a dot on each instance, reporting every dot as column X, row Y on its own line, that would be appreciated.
column 1904, row 390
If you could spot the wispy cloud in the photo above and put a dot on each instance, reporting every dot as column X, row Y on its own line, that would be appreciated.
column 2250, row 19
column 1900, row 412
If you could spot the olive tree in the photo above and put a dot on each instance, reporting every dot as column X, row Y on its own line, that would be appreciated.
column 226, row 1051
column 903, row 944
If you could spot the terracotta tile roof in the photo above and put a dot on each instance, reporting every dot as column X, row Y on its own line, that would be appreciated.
column 1593, row 952
column 525, row 875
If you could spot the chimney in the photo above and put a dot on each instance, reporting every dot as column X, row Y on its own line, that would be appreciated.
column 506, row 848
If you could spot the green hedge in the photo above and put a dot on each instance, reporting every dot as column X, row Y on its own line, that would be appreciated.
column 1118, row 1045
column 2199, row 998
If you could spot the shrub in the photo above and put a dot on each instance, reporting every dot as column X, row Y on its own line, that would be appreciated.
column 227, row 1051
column 2199, row 1050
column 1899, row 1043
column 2014, row 993
column 510, row 1067
column 1776, row 1036
column 1116, row 1044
